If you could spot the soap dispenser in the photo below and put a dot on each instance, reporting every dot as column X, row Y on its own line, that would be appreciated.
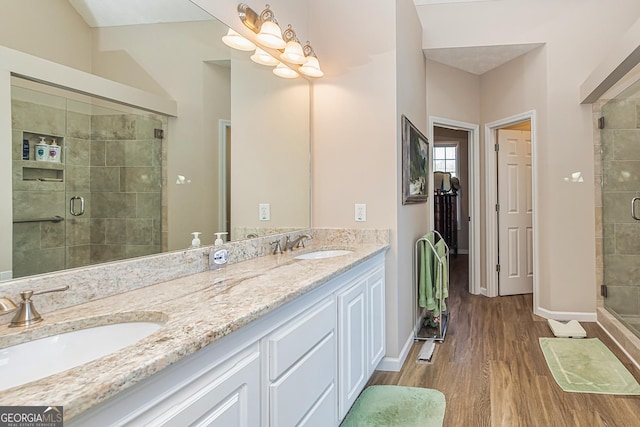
column 42, row 150
column 195, row 243
column 218, row 256
column 54, row 152
column 219, row 240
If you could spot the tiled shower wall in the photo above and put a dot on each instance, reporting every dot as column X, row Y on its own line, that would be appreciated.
column 618, row 159
column 126, row 187
column 113, row 161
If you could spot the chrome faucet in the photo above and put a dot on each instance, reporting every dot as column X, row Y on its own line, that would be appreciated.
column 277, row 248
column 295, row 243
column 27, row 314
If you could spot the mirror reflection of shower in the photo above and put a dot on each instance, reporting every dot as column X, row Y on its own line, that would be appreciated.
column 101, row 198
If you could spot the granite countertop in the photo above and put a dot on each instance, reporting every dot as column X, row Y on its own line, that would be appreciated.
column 197, row 310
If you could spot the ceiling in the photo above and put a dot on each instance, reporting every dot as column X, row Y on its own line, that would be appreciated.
column 99, row 13
column 479, row 59
column 112, row 13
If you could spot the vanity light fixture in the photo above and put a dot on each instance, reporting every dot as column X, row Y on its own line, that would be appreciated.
column 269, row 35
column 263, row 58
column 311, row 68
column 236, row 41
column 283, row 71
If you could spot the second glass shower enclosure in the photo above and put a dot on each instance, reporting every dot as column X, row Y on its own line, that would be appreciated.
column 99, row 199
column 620, row 142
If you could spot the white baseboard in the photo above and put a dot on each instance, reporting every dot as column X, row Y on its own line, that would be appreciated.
column 6, row 275
column 394, row 364
column 566, row 315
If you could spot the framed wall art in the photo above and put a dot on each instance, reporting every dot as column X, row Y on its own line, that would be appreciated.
column 415, row 164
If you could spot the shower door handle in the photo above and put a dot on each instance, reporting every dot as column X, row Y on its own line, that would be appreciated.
column 72, row 206
column 633, row 208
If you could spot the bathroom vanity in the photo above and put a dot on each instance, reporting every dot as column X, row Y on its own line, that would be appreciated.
column 274, row 340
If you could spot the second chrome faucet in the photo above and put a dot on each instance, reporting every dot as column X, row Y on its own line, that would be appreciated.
column 289, row 244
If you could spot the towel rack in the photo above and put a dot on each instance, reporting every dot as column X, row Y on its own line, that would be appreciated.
column 441, row 263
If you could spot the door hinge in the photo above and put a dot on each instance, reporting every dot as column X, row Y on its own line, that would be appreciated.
column 603, row 290
column 601, row 123
column 497, row 147
column 497, row 207
column 469, row 219
column 158, row 134
column 498, row 268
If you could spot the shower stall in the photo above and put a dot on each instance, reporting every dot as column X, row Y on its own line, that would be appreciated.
column 100, row 198
column 620, row 163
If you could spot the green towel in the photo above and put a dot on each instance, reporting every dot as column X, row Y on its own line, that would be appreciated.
column 442, row 253
column 426, row 274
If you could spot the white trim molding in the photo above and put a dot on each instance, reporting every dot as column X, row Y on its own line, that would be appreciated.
column 491, row 197
column 566, row 315
column 394, row 364
column 475, row 286
column 223, row 129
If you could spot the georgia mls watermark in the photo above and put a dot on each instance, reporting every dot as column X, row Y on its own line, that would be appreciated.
column 31, row 416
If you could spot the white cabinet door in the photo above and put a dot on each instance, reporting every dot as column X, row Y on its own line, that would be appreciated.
column 302, row 368
column 228, row 397
column 299, row 391
column 209, row 388
column 352, row 350
column 376, row 324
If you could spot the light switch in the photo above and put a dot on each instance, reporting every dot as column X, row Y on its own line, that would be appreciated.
column 264, row 213
column 361, row 212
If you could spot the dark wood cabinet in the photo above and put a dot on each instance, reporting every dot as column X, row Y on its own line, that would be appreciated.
column 445, row 215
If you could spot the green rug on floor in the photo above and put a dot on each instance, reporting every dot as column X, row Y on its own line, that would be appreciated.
column 394, row 406
column 587, row 366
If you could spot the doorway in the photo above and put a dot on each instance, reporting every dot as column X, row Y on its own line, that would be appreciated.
column 515, row 210
column 502, row 190
column 471, row 188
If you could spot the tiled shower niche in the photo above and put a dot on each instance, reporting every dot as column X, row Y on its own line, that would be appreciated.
column 107, row 188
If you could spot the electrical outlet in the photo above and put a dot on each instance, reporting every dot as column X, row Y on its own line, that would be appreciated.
column 264, row 212
column 361, row 212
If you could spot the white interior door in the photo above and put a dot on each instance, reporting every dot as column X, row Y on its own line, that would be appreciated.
column 515, row 214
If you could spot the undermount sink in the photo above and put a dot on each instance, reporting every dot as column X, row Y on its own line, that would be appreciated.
column 322, row 254
column 33, row 360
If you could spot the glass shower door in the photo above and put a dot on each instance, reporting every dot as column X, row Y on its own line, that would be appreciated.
column 620, row 140
column 100, row 198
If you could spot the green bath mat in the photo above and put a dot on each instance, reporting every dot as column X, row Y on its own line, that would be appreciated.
column 587, row 366
column 393, row 406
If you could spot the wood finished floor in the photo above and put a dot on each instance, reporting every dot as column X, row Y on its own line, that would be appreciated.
column 492, row 371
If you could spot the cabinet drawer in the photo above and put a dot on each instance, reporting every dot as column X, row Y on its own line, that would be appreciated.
column 302, row 389
column 294, row 340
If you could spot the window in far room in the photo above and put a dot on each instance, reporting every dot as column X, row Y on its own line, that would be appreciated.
column 445, row 158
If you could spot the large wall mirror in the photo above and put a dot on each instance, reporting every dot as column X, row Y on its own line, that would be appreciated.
column 238, row 146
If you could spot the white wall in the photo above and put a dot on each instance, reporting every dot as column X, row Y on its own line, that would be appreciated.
column 49, row 29
column 412, row 220
column 270, row 149
column 374, row 72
